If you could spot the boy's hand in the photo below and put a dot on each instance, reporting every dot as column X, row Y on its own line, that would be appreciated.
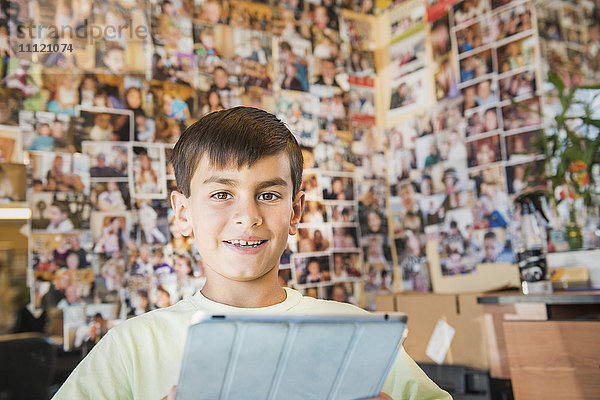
column 171, row 395
column 381, row 396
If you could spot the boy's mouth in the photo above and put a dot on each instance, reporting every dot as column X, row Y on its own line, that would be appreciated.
column 245, row 243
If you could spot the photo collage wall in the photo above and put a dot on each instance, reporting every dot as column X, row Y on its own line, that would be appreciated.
column 96, row 126
column 454, row 168
column 570, row 39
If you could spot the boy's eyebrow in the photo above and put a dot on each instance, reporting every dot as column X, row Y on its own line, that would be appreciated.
column 222, row 181
column 272, row 182
column 235, row 182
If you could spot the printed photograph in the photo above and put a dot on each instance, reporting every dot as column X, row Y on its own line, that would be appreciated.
column 250, row 15
column 294, row 62
column 103, row 124
column 345, row 237
column 519, row 85
column 311, row 185
column 516, row 55
column 512, row 22
column 358, row 32
column 314, row 212
column 45, row 131
column 519, row 147
column 469, row 10
column 53, row 252
column 408, row 55
column 361, row 64
column 147, row 175
column 60, row 172
column 524, row 116
column 406, row 19
column 482, row 94
column 458, row 252
column 440, row 37
column 314, row 238
column 413, row 263
column 409, row 92
column 311, row 270
column 110, row 231
column 484, row 151
column 376, row 249
column 340, row 291
column 343, row 212
column 110, row 196
column 346, row 266
column 521, row 176
column 152, row 226
column 482, row 121
column 107, row 159
column 290, row 20
column 340, row 187
column 472, row 37
column 13, row 182
column 476, row 66
column 10, row 104
column 299, row 112
column 11, row 144
column 211, row 11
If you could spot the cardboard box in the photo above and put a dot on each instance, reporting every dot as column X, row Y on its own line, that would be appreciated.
column 494, row 276
column 468, row 347
column 554, row 359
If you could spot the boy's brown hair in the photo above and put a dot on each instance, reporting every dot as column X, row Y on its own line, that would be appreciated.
column 238, row 136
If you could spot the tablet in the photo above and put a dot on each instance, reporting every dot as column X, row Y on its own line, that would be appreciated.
column 289, row 357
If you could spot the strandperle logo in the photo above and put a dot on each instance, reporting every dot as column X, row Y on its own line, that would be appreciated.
column 85, row 31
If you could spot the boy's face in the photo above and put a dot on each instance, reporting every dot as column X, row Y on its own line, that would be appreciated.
column 229, row 208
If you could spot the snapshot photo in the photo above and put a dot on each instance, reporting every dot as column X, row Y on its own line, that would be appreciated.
column 107, row 159
column 13, row 182
column 104, row 124
column 311, row 270
column 147, row 175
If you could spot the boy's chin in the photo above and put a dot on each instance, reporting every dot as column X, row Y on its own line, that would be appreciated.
column 244, row 275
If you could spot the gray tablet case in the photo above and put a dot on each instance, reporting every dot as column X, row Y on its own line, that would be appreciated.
column 289, row 357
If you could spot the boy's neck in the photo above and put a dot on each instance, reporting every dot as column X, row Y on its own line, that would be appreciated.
column 255, row 294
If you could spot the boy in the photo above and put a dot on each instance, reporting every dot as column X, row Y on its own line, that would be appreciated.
column 238, row 173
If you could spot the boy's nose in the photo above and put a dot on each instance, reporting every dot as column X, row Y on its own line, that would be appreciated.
column 248, row 213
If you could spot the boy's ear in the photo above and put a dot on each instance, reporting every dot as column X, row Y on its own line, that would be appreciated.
column 297, row 208
column 183, row 219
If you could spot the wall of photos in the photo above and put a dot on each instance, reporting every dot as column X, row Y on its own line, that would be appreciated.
column 402, row 109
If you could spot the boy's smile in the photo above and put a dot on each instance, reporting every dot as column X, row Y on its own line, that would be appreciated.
column 240, row 218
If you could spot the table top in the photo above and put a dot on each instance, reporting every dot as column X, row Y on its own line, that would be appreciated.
column 562, row 297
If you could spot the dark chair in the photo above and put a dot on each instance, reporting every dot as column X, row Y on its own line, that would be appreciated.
column 27, row 366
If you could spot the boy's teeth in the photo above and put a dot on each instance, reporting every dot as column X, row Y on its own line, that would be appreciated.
column 246, row 242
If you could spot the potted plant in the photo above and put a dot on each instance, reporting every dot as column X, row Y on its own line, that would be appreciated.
column 571, row 147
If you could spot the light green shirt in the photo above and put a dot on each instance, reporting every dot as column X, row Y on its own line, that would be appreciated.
column 141, row 358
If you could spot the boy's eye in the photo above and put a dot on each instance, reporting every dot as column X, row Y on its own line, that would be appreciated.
column 268, row 196
column 221, row 196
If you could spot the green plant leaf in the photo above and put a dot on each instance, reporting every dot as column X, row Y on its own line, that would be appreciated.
column 558, row 83
column 527, row 108
column 589, row 87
